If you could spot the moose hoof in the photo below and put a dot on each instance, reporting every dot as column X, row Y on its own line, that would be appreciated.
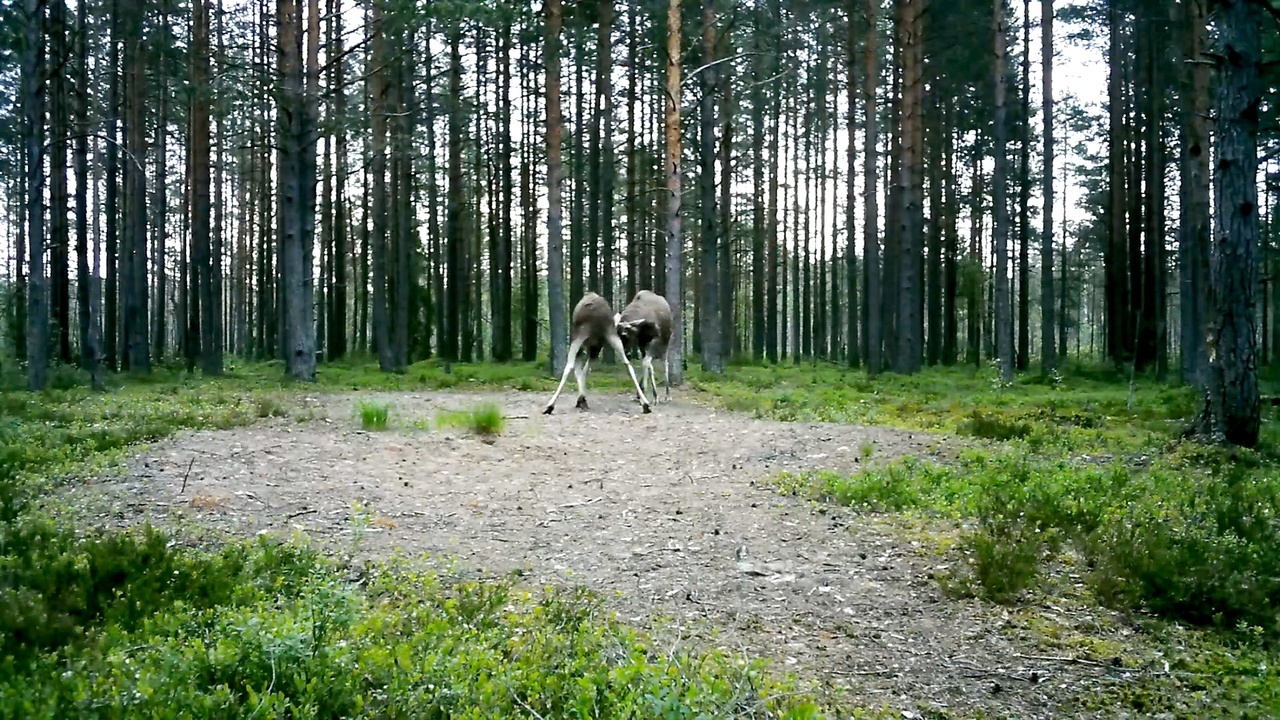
column 646, row 408
column 582, row 402
column 548, row 410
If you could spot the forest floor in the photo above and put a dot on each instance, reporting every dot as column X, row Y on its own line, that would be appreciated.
column 670, row 516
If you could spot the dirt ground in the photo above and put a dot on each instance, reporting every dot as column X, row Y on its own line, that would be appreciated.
column 668, row 515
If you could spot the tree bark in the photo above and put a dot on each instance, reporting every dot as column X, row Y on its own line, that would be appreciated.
column 111, row 310
column 708, row 271
column 33, row 72
column 1048, row 322
column 557, row 310
column 59, row 129
column 1024, row 198
column 999, row 179
column 871, row 218
column 911, row 208
column 90, row 353
column 137, row 349
column 378, row 191
column 1194, row 243
column 675, row 244
column 202, row 270
column 1232, row 410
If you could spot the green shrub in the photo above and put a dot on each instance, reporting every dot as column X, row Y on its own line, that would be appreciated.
column 373, row 416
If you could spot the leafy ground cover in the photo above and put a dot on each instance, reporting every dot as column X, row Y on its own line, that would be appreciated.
column 136, row 624
column 1079, row 476
column 1084, row 477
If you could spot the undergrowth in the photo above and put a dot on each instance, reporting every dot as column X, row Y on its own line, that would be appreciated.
column 134, row 624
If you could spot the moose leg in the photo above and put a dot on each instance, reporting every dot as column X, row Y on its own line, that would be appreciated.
column 570, row 361
column 616, row 343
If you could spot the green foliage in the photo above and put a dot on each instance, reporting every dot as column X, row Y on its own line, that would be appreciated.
column 373, row 416
column 485, row 420
column 131, row 624
column 281, row 633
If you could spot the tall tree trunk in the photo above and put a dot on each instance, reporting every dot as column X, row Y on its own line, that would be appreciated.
column 1024, row 198
column 933, row 281
column 1048, row 323
column 951, row 250
column 708, row 273
column 59, row 128
column 909, row 321
column 90, row 353
column 337, row 317
column 674, row 242
column 1194, row 232
column 999, row 179
column 1154, row 231
column 502, row 317
column 33, row 73
column 1114, row 254
column 635, row 255
column 160, row 200
column 201, row 256
column 871, row 217
column 137, row 349
column 852, row 305
column 378, row 169
column 111, row 309
column 605, row 171
column 728, row 326
column 758, row 325
column 406, row 222
column 773, row 292
column 1232, row 409
column 297, row 186
column 557, row 310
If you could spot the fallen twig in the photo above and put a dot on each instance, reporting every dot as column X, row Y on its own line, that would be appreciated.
column 592, row 501
column 300, row 513
column 186, row 475
column 1062, row 658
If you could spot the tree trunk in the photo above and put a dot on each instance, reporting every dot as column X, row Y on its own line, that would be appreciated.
column 160, row 200
column 675, row 244
column 557, row 310
column 111, row 309
column 502, row 317
column 951, row 249
column 378, row 169
column 1232, row 410
column 999, row 180
column 871, row 218
column 198, row 143
column 605, row 171
column 33, row 72
column 758, row 324
column 774, row 310
column 728, row 326
column 911, row 208
column 852, row 305
column 336, row 343
column 90, row 353
column 1114, row 253
column 1194, row 231
column 708, row 272
column 1024, row 198
column 1048, row 323
column 59, row 129
column 137, row 349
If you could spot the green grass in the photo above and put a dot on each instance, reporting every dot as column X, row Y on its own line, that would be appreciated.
column 1062, row 476
column 484, row 420
column 135, row 624
column 373, row 416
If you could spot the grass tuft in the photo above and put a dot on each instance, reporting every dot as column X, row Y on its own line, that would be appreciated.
column 484, row 420
column 373, row 416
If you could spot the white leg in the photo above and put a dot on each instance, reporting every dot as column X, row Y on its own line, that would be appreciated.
column 580, row 370
column 646, row 377
column 616, row 343
column 574, row 347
